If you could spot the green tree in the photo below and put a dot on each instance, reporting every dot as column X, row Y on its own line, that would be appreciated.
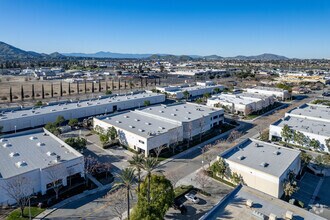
column 126, row 179
column 206, row 96
column 219, row 167
column 137, row 162
column 216, row 90
column 149, row 164
column 38, row 104
column 146, row 103
column 289, row 188
column 51, row 127
column 108, row 92
column 162, row 198
column 236, row 178
column 199, row 101
column 73, row 122
column 104, row 138
column 287, row 134
column 299, row 138
column 59, row 120
column 315, row 144
column 77, row 143
column 112, row 133
column 305, row 159
column 186, row 94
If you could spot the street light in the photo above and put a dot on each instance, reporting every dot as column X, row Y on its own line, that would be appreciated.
column 33, row 197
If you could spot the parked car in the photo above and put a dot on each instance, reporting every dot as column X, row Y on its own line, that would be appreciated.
column 191, row 197
column 326, row 94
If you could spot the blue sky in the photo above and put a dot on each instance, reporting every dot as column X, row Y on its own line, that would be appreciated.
column 224, row 27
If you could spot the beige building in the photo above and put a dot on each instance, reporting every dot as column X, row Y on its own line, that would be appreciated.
column 262, row 166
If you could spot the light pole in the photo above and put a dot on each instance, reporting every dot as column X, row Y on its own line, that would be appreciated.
column 30, row 206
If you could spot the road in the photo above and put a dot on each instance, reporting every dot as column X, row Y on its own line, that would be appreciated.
column 91, row 207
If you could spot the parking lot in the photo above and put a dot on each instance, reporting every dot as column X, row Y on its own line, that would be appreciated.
column 195, row 211
column 309, row 185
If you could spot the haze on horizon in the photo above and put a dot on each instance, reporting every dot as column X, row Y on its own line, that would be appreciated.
column 294, row 28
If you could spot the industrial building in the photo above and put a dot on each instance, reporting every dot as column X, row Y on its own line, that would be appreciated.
column 241, row 103
column 246, row 203
column 19, row 119
column 161, row 125
column 262, row 166
column 36, row 159
column 280, row 94
column 199, row 89
column 311, row 120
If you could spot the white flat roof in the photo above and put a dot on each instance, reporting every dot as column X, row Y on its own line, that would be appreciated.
column 305, row 125
column 73, row 105
column 268, row 89
column 139, row 124
column 255, row 153
column 34, row 148
column 315, row 111
column 181, row 112
column 234, row 98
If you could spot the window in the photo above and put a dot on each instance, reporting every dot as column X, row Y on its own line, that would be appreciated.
column 142, row 142
column 215, row 117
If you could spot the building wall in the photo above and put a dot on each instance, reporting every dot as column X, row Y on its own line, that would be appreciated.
column 39, row 120
column 255, row 179
column 276, row 132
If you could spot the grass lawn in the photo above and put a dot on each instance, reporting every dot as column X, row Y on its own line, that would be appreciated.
column 16, row 214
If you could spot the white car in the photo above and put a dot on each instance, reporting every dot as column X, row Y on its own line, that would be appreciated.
column 192, row 198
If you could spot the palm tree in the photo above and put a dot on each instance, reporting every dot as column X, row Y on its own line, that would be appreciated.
column 137, row 162
column 126, row 179
column 149, row 164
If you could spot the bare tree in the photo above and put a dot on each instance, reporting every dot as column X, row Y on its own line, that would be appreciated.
column 55, row 175
column 234, row 135
column 18, row 189
column 117, row 199
column 159, row 149
column 91, row 166
column 202, row 178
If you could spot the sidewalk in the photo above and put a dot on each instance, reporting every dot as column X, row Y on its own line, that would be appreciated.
column 86, row 193
column 178, row 156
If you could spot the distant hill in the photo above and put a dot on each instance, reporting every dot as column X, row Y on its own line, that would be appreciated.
column 265, row 56
column 10, row 52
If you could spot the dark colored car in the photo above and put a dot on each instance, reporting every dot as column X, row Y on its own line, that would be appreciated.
column 326, row 94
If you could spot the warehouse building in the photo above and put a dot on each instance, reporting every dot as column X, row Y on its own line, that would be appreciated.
column 312, row 112
column 241, row 103
column 280, row 94
column 262, row 166
column 161, row 125
column 33, row 117
column 36, row 159
column 199, row 89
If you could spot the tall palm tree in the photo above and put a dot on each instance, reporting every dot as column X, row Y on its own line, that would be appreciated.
column 137, row 162
column 149, row 164
column 126, row 179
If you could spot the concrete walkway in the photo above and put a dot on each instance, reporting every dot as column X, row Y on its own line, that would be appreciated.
column 316, row 191
column 86, row 193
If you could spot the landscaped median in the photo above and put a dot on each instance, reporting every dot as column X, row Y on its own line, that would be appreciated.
column 16, row 214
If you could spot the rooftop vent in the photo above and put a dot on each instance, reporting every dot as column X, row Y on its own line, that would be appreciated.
column 53, row 110
column 118, row 122
column 7, row 145
column 136, row 119
column 131, row 126
column 40, row 144
column 241, row 157
column 58, row 158
column 258, row 145
column 249, row 203
column 126, row 116
column 3, row 140
column 289, row 215
column 33, row 138
column 272, row 216
column 277, row 152
column 23, row 114
column 264, row 164
column 173, row 114
column 148, row 123
column 161, row 111
column 21, row 164
column 14, row 154
column 50, row 153
column 162, row 128
column 141, row 130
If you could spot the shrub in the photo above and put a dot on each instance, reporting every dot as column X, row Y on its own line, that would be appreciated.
column 3, row 98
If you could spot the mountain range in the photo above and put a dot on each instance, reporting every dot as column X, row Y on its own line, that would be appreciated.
column 10, row 52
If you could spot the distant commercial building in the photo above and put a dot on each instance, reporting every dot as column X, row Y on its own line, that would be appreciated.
column 246, row 203
column 146, row 129
column 36, row 159
column 241, row 103
column 199, row 89
column 262, row 166
column 311, row 120
column 280, row 94
column 19, row 119
column 298, row 78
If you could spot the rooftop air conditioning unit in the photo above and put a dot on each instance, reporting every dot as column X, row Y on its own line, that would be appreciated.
column 249, row 203
column 272, row 216
column 289, row 215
